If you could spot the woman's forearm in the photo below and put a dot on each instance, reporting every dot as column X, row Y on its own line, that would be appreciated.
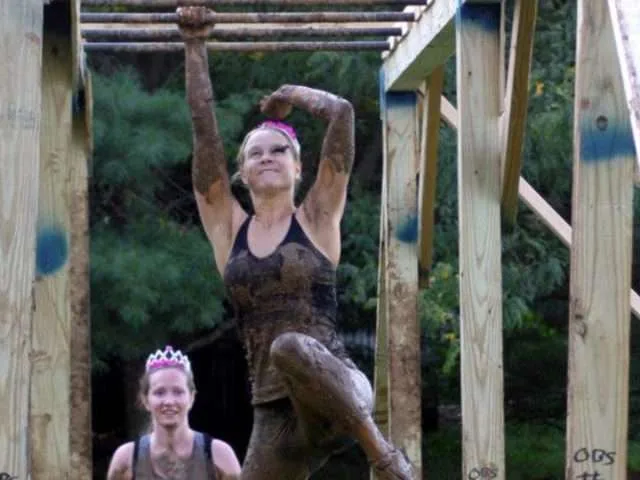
column 319, row 103
column 338, row 147
column 209, row 163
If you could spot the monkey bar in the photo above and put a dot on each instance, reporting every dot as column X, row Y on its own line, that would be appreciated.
column 147, row 47
column 173, row 34
column 214, row 3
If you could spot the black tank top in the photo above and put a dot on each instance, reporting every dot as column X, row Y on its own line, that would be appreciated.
column 292, row 289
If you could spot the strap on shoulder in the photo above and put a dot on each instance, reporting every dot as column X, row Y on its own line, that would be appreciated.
column 207, row 446
column 136, row 449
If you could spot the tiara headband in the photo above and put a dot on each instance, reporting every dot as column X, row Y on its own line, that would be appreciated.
column 168, row 358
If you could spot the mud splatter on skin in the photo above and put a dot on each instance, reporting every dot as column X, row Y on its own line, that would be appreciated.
column 174, row 467
column 209, row 164
column 338, row 146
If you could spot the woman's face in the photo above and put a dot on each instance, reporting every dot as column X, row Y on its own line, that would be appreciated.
column 270, row 163
column 169, row 399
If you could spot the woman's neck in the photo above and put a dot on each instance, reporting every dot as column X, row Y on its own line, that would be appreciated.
column 175, row 439
column 271, row 210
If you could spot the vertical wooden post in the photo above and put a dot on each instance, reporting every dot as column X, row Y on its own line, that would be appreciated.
column 429, row 138
column 80, row 434
column 381, row 367
column 404, row 379
column 604, row 156
column 60, row 393
column 20, row 78
column 514, row 118
column 479, row 92
column 80, row 437
column 50, row 386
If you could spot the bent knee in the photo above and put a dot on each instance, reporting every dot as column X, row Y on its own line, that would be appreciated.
column 287, row 347
column 293, row 348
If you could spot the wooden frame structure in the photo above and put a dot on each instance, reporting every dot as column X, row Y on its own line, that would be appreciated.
column 45, row 124
column 490, row 119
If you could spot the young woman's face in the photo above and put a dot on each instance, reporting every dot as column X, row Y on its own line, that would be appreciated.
column 269, row 162
column 169, row 399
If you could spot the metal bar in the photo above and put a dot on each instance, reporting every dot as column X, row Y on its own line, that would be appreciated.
column 173, row 34
column 254, row 17
column 214, row 3
column 148, row 47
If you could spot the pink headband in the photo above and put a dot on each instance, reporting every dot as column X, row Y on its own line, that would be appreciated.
column 284, row 127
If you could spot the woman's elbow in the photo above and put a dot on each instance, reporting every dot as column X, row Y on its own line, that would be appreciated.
column 344, row 109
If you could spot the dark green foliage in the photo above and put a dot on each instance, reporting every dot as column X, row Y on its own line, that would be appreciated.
column 153, row 280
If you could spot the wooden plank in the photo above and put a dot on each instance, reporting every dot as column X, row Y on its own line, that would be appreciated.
column 404, row 379
column 381, row 361
column 625, row 16
column 478, row 87
column 243, row 26
column 381, row 384
column 80, row 432
column 598, row 390
column 448, row 112
column 430, row 135
column 80, row 428
column 20, row 77
column 50, row 382
column 428, row 44
column 516, row 103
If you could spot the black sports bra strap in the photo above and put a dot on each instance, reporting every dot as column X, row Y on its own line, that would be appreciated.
column 241, row 242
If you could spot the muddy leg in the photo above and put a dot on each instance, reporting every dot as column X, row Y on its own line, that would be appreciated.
column 322, row 384
column 276, row 449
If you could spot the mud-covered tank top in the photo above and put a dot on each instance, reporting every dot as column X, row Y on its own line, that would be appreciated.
column 200, row 464
column 293, row 289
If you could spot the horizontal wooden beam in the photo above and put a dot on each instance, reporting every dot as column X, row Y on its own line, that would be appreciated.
column 252, row 17
column 429, row 43
column 173, row 34
column 538, row 205
column 150, row 47
column 215, row 3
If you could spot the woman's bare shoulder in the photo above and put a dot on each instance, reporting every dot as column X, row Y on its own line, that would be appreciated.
column 225, row 459
column 121, row 467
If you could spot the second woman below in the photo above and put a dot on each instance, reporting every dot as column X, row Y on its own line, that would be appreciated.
column 279, row 268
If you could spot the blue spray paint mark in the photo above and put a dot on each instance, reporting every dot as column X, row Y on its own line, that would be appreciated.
column 401, row 99
column 604, row 139
column 408, row 229
column 483, row 15
column 52, row 250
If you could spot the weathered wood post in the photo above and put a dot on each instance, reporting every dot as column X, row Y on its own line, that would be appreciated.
column 479, row 187
column 602, row 220
column 20, row 77
column 60, row 393
column 400, row 273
